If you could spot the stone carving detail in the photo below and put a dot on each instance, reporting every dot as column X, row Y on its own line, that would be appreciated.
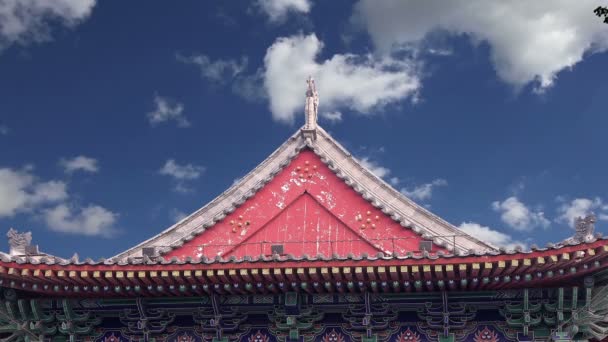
column 18, row 241
column 584, row 228
column 312, row 105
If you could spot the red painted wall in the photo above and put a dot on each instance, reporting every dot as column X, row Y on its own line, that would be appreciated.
column 308, row 210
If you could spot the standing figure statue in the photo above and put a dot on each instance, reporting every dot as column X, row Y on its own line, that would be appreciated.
column 312, row 105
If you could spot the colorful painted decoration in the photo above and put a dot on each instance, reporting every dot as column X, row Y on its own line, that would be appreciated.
column 112, row 336
column 333, row 336
column 408, row 336
column 259, row 336
column 183, row 336
column 486, row 335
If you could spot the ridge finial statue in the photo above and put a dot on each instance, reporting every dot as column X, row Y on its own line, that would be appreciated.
column 18, row 241
column 312, row 105
column 583, row 230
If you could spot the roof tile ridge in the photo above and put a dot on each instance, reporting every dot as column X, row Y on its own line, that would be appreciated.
column 366, row 193
column 397, row 196
column 222, row 212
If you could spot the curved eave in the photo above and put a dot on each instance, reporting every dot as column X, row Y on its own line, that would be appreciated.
column 490, row 271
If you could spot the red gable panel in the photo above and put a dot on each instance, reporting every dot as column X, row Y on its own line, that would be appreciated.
column 309, row 210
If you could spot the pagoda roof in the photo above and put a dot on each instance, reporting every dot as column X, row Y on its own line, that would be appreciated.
column 345, row 166
column 492, row 270
column 345, row 229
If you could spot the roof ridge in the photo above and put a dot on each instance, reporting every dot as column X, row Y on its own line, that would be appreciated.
column 343, row 164
column 252, row 176
column 396, row 195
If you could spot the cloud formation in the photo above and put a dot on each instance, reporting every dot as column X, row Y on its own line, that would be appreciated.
column 181, row 174
column 332, row 117
column 79, row 163
column 518, row 216
column 21, row 191
column 374, row 167
column 177, row 215
column 277, row 10
column 424, row 192
column 92, row 220
column 361, row 83
column 220, row 70
column 167, row 110
column 581, row 207
column 491, row 236
column 25, row 21
column 529, row 41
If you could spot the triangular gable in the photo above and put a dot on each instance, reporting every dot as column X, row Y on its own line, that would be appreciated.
column 306, row 209
column 374, row 190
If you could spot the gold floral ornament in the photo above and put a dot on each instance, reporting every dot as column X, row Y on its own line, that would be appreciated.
column 239, row 223
column 368, row 221
column 306, row 170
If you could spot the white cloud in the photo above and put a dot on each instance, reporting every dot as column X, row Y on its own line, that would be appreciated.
column 167, row 110
column 581, row 207
column 177, row 215
column 219, row 70
column 183, row 188
column 490, row 236
column 277, row 10
column 4, row 130
column 424, row 191
column 333, row 117
column 92, row 220
column 374, row 167
column 530, row 41
column 47, row 192
column 362, row 83
column 229, row 71
column 21, row 191
column 79, row 163
column 518, row 216
column 24, row 21
column 181, row 172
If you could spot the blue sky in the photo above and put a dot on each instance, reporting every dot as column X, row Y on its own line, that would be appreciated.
column 117, row 118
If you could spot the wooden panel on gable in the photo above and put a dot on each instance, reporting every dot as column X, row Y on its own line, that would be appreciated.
column 309, row 210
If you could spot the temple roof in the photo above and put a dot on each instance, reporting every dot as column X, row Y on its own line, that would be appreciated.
column 383, row 201
column 341, row 227
column 373, row 189
column 552, row 266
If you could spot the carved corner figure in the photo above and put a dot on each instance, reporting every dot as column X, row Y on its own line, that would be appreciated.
column 584, row 228
column 18, row 241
